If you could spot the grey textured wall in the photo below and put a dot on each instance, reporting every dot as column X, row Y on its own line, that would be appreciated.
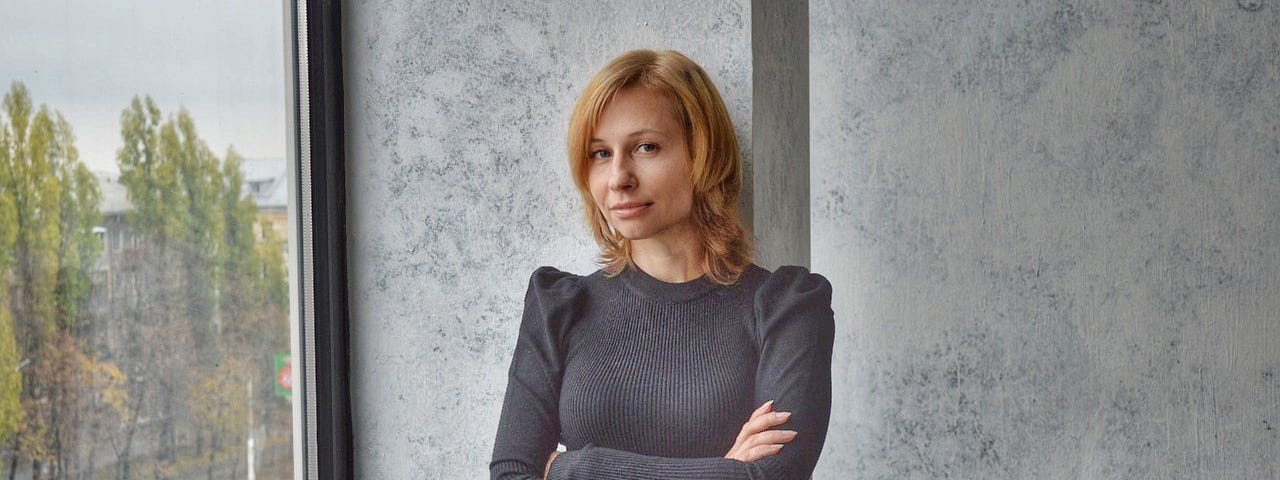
column 458, row 188
column 1052, row 228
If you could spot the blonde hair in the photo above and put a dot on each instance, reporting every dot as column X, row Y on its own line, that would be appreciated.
column 716, row 165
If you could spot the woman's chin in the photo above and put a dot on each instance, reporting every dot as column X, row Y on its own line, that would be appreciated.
column 665, row 233
column 634, row 232
column 632, row 236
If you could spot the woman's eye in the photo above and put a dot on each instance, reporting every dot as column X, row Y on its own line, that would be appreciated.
column 647, row 148
column 599, row 154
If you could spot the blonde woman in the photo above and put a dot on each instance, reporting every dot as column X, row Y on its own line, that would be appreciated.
column 679, row 358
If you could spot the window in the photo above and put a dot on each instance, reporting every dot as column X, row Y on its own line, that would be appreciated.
column 161, row 204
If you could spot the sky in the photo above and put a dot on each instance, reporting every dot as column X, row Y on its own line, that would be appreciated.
column 221, row 60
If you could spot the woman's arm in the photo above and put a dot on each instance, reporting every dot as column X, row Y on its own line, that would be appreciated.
column 754, row 441
column 795, row 328
column 529, row 427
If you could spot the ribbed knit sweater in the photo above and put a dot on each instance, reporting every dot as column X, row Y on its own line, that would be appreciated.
column 642, row 379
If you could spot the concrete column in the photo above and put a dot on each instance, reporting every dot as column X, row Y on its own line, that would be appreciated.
column 779, row 177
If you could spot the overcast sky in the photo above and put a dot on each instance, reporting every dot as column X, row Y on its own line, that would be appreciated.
column 222, row 60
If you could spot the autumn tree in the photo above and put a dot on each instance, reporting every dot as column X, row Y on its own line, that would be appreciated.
column 49, row 207
column 10, row 378
column 198, row 305
column 104, row 408
column 218, row 406
column 254, row 293
column 209, row 295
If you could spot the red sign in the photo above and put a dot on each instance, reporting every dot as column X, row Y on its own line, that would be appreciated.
column 285, row 378
column 284, row 375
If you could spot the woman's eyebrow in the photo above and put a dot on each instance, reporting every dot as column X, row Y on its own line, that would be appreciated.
column 643, row 131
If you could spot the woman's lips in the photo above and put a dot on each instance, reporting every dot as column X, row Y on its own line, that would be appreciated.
column 630, row 210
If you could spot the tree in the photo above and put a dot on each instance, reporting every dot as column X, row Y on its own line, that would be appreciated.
column 210, row 293
column 218, row 407
column 106, row 407
column 10, row 375
column 49, row 207
column 198, row 305
column 161, row 169
column 10, row 378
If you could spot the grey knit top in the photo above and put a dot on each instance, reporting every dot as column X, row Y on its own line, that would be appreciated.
column 644, row 379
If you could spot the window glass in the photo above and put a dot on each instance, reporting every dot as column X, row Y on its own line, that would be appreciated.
column 144, row 199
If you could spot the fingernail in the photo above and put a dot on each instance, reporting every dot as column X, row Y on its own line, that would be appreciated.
column 789, row 433
column 770, row 402
column 782, row 414
column 777, row 446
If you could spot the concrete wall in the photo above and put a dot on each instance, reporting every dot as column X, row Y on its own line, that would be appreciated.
column 1052, row 228
column 458, row 188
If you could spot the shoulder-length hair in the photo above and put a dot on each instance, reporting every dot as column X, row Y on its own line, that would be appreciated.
column 716, row 164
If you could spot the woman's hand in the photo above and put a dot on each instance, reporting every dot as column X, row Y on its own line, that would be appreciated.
column 756, row 441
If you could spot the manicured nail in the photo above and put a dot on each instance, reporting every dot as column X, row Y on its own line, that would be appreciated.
column 789, row 433
column 782, row 415
column 777, row 446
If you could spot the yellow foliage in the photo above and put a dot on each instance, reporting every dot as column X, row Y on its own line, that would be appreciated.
column 110, row 384
column 218, row 399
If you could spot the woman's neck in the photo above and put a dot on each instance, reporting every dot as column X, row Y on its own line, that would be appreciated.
column 669, row 263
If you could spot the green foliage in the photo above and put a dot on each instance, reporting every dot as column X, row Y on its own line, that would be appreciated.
column 205, row 289
column 141, row 168
column 226, row 280
column 48, row 208
column 175, row 182
column 79, row 248
column 10, row 378
column 272, row 283
column 190, row 203
column 35, row 190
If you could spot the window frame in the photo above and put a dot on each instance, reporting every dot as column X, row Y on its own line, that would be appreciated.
column 323, row 446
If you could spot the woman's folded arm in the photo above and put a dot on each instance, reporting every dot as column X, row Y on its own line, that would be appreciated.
column 795, row 328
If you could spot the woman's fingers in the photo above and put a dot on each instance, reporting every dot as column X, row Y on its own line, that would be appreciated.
column 770, row 437
column 763, row 422
column 762, row 409
column 759, row 452
column 755, row 440
column 766, row 443
column 776, row 436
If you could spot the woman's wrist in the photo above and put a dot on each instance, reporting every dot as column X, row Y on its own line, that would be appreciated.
column 547, row 472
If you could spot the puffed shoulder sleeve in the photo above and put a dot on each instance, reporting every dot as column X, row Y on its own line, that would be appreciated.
column 796, row 331
column 529, row 427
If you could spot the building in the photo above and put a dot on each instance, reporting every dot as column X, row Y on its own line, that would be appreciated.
column 265, row 180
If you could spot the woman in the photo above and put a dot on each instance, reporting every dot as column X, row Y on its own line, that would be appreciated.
column 653, row 366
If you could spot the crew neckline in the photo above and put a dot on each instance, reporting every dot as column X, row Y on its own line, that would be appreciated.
column 644, row 284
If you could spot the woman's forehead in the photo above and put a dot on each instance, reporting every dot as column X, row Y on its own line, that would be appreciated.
column 636, row 109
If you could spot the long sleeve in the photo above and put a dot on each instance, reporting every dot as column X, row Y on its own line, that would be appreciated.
column 794, row 329
column 529, row 426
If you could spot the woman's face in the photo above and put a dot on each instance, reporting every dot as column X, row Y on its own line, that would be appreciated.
column 639, row 169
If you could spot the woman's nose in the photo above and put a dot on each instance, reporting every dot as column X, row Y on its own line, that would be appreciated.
column 621, row 176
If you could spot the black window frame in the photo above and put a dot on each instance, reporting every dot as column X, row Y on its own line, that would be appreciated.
column 318, row 149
